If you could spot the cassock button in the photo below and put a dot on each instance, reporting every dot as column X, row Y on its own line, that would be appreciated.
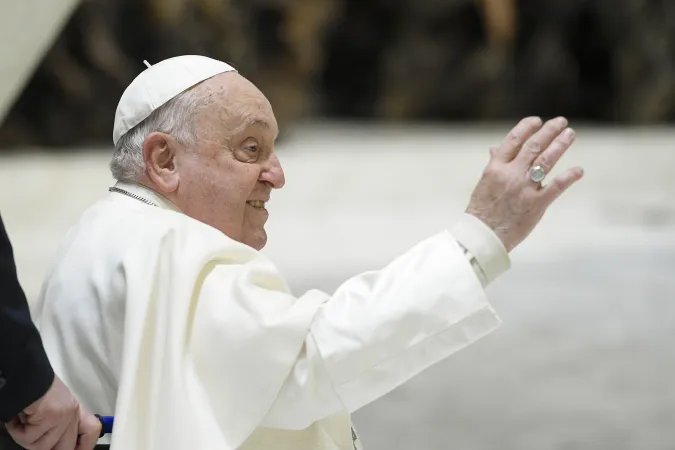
column 3, row 380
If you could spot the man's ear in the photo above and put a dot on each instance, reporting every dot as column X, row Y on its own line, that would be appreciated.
column 159, row 155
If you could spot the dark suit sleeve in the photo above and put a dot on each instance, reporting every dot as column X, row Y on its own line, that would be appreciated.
column 25, row 372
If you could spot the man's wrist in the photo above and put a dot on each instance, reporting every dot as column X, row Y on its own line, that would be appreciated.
column 483, row 246
column 28, row 379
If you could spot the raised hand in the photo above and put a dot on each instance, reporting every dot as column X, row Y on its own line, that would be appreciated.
column 507, row 198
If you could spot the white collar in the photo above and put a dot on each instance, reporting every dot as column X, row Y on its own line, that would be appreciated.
column 147, row 194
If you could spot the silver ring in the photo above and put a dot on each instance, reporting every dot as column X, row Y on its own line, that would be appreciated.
column 537, row 174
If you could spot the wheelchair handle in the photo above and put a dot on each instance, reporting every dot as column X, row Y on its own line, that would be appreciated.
column 107, row 423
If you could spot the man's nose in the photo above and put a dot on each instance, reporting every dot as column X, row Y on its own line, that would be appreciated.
column 273, row 174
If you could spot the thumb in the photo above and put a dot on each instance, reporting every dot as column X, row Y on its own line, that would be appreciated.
column 33, row 409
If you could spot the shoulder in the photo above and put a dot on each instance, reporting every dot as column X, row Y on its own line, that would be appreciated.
column 194, row 237
column 119, row 231
column 175, row 232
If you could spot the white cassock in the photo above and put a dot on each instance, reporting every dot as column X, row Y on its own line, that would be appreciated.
column 194, row 341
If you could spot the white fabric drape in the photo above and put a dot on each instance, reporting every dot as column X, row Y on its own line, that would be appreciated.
column 194, row 341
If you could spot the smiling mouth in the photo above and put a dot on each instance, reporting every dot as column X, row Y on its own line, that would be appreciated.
column 258, row 204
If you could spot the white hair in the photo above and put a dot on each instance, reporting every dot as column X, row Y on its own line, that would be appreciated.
column 175, row 117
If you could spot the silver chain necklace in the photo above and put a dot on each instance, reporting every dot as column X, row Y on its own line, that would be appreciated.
column 129, row 194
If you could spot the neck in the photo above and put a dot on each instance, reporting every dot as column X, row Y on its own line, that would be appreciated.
column 149, row 192
column 146, row 182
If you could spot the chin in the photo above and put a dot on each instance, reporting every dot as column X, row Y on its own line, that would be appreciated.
column 256, row 240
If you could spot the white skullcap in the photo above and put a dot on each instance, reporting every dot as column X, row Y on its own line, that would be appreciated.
column 158, row 84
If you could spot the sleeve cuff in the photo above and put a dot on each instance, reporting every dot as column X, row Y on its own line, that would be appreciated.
column 28, row 378
column 484, row 245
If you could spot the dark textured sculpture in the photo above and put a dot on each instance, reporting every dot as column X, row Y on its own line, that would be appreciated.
column 600, row 60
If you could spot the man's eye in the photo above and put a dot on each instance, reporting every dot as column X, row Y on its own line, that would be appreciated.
column 252, row 148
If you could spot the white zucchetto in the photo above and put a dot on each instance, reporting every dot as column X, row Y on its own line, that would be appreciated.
column 158, row 84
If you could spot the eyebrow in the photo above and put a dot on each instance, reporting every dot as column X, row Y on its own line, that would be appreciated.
column 255, row 122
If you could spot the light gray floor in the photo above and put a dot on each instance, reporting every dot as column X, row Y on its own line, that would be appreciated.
column 585, row 357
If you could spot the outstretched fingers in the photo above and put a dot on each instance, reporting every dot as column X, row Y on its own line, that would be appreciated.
column 514, row 141
column 550, row 157
column 540, row 141
column 560, row 184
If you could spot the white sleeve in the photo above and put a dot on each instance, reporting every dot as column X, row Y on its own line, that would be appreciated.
column 482, row 247
column 381, row 328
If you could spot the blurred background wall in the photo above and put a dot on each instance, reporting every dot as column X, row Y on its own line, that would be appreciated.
column 594, row 60
column 388, row 108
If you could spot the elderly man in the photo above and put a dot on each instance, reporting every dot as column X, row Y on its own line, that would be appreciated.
column 160, row 308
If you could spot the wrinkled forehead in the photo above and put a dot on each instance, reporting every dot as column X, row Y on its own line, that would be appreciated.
column 235, row 104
